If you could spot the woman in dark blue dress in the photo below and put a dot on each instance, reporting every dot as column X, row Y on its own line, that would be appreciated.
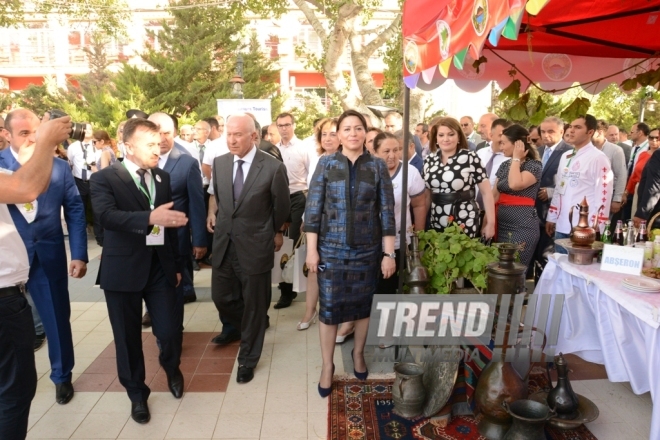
column 349, row 221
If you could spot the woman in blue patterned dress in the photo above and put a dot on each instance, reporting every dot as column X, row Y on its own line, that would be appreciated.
column 349, row 221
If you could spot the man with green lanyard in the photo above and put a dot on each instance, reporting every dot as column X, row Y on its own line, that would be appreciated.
column 133, row 202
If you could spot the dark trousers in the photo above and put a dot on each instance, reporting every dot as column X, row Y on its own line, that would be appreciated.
column 83, row 189
column 545, row 245
column 243, row 300
column 18, row 374
column 209, row 235
column 125, row 312
column 51, row 298
column 298, row 201
column 186, row 287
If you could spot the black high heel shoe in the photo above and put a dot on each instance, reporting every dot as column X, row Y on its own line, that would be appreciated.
column 361, row 376
column 325, row 392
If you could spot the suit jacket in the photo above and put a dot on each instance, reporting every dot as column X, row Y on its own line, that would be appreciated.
column 260, row 211
column 626, row 151
column 44, row 237
column 270, row 148
column 188, row 197
column 182, row 149
column 648, row 192
column 480, row 145
column 123, row 212
column 548, row 177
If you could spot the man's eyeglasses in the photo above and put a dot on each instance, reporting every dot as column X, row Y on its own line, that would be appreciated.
column 654, row 138
column 465, row 125
column 284, row 125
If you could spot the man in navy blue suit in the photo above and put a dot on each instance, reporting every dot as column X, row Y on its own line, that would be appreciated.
column 40, row 227
column 188, row 197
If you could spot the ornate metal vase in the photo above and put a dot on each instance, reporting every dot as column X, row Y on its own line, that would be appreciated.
column 408, row 390
column 529, row 418
column 562, row 398
column 417, row 277
column 505, row 276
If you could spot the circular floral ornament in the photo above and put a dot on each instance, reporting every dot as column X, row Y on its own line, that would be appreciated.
column 557, row 66
column 411, row 56
column 444, row 37
column 480, row 16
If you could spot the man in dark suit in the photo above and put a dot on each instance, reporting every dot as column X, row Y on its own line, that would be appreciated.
column 39, row 225
column 250, row 205
column 188, row 197
column 133, row 202
column 552, row 133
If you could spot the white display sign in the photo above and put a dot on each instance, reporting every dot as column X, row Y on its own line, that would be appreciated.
column 260, row 108
column 622, row 259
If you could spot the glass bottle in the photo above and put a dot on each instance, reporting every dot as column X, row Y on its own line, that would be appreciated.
column 607, row 233
column 630, row 236
column 618, row 233
column 643, row 235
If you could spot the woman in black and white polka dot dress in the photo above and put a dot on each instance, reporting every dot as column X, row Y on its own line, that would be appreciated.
column 452, row 173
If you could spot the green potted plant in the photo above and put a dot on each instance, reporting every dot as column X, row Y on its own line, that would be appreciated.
column 452, row 254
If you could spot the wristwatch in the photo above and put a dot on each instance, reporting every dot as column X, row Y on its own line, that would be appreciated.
column 392, row 255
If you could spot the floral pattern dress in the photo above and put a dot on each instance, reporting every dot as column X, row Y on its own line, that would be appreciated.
column 462, row 172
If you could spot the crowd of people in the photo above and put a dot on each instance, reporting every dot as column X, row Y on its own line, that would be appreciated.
column 167, row 200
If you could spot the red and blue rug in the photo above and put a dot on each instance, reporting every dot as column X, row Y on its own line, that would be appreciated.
column 363, row 411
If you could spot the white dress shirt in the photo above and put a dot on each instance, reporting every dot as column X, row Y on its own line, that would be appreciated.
column 296, row 159
column 77, row 158
column 132, row 170
column 14, row 263
column 247, row 163
column 162, row 160
column 484, row 155
column 214, row 148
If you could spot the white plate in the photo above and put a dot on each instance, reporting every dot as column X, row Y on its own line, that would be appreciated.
column 642, row 283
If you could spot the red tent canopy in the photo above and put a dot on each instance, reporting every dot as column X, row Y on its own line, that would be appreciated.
column 436, row 32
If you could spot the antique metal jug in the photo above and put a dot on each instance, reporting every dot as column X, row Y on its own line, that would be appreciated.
column 562, row 398
column 506, row 277
column 583, row 235
column 408, row 390
column 417, row 277
column 529, row 418
column 499, row 382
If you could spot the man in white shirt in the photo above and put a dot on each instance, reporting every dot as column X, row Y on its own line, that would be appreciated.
column 18, row 377
column 584, row 172
column 485, row 125
column 82, row 157
column 492, row 156
column 296, row 160
column 185, row 136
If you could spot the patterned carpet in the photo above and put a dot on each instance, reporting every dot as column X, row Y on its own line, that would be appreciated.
column 363, row 411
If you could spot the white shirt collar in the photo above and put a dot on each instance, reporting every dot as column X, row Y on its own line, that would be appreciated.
column 163, row 159
column 248, row 158
column 554, row 146
column 132, row 167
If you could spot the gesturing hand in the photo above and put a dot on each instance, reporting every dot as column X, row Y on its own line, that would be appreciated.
column 165, row 216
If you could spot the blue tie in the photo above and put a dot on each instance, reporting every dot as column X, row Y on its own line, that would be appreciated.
column 546, row 156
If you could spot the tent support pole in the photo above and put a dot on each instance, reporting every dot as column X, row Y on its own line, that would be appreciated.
column 403, row 248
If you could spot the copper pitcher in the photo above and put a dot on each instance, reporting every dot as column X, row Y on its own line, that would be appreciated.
column 583, row 235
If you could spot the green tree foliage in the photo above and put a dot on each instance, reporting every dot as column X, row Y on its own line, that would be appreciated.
column 195, row 60
column 393, row 74
column 110, row 16
column 621, row 108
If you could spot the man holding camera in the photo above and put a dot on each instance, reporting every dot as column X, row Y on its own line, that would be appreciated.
column 18, row 375
column 82, row 157
column 40, row 226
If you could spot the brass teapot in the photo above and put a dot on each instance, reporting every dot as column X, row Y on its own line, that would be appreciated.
column 583, row 235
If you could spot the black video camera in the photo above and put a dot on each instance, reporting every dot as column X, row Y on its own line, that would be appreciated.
column 77, row 130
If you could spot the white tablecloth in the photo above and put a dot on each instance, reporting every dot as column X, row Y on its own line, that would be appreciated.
column 604, row 323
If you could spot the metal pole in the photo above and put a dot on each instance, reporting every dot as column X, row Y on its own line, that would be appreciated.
column 403, row 248
column 642, row 107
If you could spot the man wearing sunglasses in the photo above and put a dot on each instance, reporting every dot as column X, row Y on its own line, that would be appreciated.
column 467, row 125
